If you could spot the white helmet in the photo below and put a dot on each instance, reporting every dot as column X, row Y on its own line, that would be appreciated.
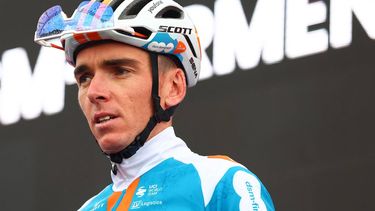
column 159, row 26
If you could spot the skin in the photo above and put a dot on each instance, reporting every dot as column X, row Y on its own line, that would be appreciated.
column 114, row 79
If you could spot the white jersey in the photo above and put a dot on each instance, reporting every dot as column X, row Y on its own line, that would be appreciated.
column 166, row 175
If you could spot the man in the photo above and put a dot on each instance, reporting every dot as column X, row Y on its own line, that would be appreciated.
column 134, row 60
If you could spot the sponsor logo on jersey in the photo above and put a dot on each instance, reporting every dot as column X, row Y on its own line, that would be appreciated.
column 140, row 203
column 97, row 206
column 153, row 190
column 141, row 192
column 252, row 196
column 248, row 187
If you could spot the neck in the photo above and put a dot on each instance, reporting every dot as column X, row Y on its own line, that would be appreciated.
column 159, row 128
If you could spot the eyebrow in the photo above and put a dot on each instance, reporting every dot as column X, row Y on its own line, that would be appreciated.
column 80, row 69
column 122, row 61
column 111, row 62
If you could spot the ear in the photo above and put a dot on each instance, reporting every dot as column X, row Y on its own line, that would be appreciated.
column 173, row 89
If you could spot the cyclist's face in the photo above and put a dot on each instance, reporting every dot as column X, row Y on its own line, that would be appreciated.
column 114, row 82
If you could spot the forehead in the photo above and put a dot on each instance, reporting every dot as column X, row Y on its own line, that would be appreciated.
column 97, row 52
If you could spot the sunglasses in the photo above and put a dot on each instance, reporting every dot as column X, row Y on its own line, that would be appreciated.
column 90, row 16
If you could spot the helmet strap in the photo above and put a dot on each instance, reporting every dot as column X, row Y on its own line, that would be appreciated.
column 160, row 115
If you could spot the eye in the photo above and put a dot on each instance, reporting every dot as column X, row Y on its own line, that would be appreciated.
column 83, row 79
column 120, row 70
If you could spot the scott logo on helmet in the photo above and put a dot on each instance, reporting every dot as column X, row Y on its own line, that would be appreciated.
column 174, row 29
column 154, row 6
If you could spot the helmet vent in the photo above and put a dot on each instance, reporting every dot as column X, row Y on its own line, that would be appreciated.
column 170, row 12
column 132, row 10
column 141, row 32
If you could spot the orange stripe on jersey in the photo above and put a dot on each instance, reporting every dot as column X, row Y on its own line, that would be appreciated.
column 80, row 38
column 93, row 36
column 221, row 157
column 125, row 203
column 112, row 200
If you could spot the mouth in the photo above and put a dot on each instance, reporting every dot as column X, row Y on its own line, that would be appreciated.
column 101, row 119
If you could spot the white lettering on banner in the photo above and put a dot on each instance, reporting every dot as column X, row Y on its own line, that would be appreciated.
column 1, row 71
column 300, row 15
column 341, row 18
column 273, row 33
column 27, row 94
column 234, row 39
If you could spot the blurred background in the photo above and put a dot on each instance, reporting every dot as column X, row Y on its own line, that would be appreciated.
column 287, row 88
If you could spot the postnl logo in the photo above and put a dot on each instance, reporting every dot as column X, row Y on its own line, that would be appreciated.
column 141, row 192
column 161, row 47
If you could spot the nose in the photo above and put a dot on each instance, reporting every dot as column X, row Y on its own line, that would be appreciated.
column 98, row 89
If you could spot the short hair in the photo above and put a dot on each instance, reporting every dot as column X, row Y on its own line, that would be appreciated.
column 166, row 62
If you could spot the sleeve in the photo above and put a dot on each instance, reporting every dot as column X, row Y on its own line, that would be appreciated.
column 241, row 190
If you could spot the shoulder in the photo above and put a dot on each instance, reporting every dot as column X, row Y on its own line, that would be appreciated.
column 244, row 191
column 230, row 185
column 98, row 201
column 210, row 169
column 240, row 189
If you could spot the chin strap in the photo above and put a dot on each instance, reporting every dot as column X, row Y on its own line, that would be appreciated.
column 160, row 115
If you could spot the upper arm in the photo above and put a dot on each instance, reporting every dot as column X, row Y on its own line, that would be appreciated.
column 241, row 190
column 253, row 195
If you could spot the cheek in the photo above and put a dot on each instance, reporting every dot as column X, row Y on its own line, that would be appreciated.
column 82, row 103
column 141, row 99
column 138, row 100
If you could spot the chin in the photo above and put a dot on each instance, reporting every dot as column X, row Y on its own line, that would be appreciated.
column 111, row 145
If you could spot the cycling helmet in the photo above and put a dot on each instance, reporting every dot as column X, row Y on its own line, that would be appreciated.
column 157, row 26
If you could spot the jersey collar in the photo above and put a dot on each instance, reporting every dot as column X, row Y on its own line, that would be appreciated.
column 159, row 148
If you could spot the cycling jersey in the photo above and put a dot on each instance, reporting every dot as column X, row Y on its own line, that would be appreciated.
column 165, row 175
